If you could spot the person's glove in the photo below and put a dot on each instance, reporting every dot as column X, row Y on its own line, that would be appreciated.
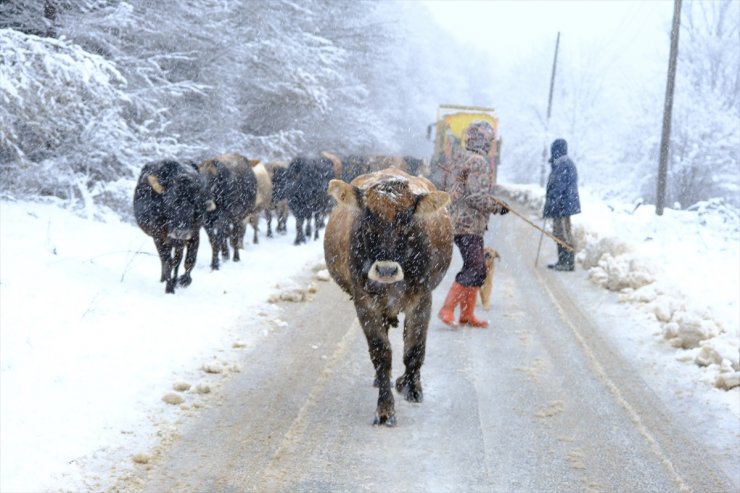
column 504, row 208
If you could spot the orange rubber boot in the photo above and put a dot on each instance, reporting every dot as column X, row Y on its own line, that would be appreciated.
column 454, row 297
column 467, row 305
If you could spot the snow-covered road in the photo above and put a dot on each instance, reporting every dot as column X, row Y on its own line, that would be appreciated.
column 542, row 401
column 94, row 356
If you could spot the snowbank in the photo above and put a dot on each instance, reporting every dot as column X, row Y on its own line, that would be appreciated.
column 682, row 268
column 98, row 363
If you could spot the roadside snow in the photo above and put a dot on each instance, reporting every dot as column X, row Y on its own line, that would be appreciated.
column 681, row 268
column 96, row 359
column 98, row 366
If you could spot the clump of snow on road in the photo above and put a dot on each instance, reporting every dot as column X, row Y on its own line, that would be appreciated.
column 681, row 268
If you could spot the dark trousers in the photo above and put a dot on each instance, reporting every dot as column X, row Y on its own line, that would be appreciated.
column 561, row 230
column 473, row 271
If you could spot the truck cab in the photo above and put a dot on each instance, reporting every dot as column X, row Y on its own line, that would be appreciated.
column 449, row 135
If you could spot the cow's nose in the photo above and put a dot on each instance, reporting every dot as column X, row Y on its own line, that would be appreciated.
column 385, row 271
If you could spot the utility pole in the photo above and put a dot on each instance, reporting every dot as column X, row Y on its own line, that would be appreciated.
column 50, row 17
column 549, row 109
column 665, row 141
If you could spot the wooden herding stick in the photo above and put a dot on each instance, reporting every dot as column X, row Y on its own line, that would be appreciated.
column 550, row 235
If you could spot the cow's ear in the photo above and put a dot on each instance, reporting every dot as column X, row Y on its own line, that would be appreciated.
column 432, row 202
column 344, row 193
column 154, row 183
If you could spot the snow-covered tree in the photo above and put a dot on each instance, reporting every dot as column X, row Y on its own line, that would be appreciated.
column 61, row 123
column 705, row 145
column 704, row 158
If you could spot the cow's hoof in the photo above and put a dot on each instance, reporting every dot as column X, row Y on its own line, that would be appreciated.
column 411, row 392
column 389, row 421
column 185, row 281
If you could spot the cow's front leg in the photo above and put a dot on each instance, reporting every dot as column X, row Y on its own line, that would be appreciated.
column 414, row 349
column 319, row 220
column 308, row 227
column 175, row 266
column 268, row 220
column 165, row 252
column 237, row 238
column 214, row 237
column 254, row 221
column 379, row 347
column 190, row 259
column 282, row 217
column 299, row 238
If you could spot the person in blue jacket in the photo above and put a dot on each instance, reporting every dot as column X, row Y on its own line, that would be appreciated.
column 561, row 201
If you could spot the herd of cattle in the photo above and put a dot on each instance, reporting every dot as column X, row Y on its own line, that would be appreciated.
column 173, row 200
column 388, row 240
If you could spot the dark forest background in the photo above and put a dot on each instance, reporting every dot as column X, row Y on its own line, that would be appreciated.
column 90, row 90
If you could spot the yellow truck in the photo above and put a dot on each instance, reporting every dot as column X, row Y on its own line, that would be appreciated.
column 449, row 140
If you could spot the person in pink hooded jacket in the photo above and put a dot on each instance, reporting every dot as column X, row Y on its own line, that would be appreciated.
column 471, row 205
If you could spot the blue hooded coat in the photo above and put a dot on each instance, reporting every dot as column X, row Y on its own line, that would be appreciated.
column 561, row 198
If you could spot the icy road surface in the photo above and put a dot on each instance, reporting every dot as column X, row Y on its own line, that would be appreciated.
column 541, row 401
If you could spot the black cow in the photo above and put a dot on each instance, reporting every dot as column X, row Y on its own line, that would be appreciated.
column 307, row 181
column 355, row 165
column 233, row 186
column 414, row 166
column 170, row 200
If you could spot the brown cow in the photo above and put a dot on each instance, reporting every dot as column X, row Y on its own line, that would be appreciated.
column 388, row 244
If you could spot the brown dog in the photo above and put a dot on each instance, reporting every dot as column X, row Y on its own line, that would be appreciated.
column 490, row 256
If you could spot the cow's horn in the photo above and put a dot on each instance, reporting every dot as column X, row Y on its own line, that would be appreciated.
column 154, row 183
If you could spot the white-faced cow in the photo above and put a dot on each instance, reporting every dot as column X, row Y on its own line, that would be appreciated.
column 278, row 171
column 170, row 200
column 388, row 244
column 233, row 186
column 263, row 202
